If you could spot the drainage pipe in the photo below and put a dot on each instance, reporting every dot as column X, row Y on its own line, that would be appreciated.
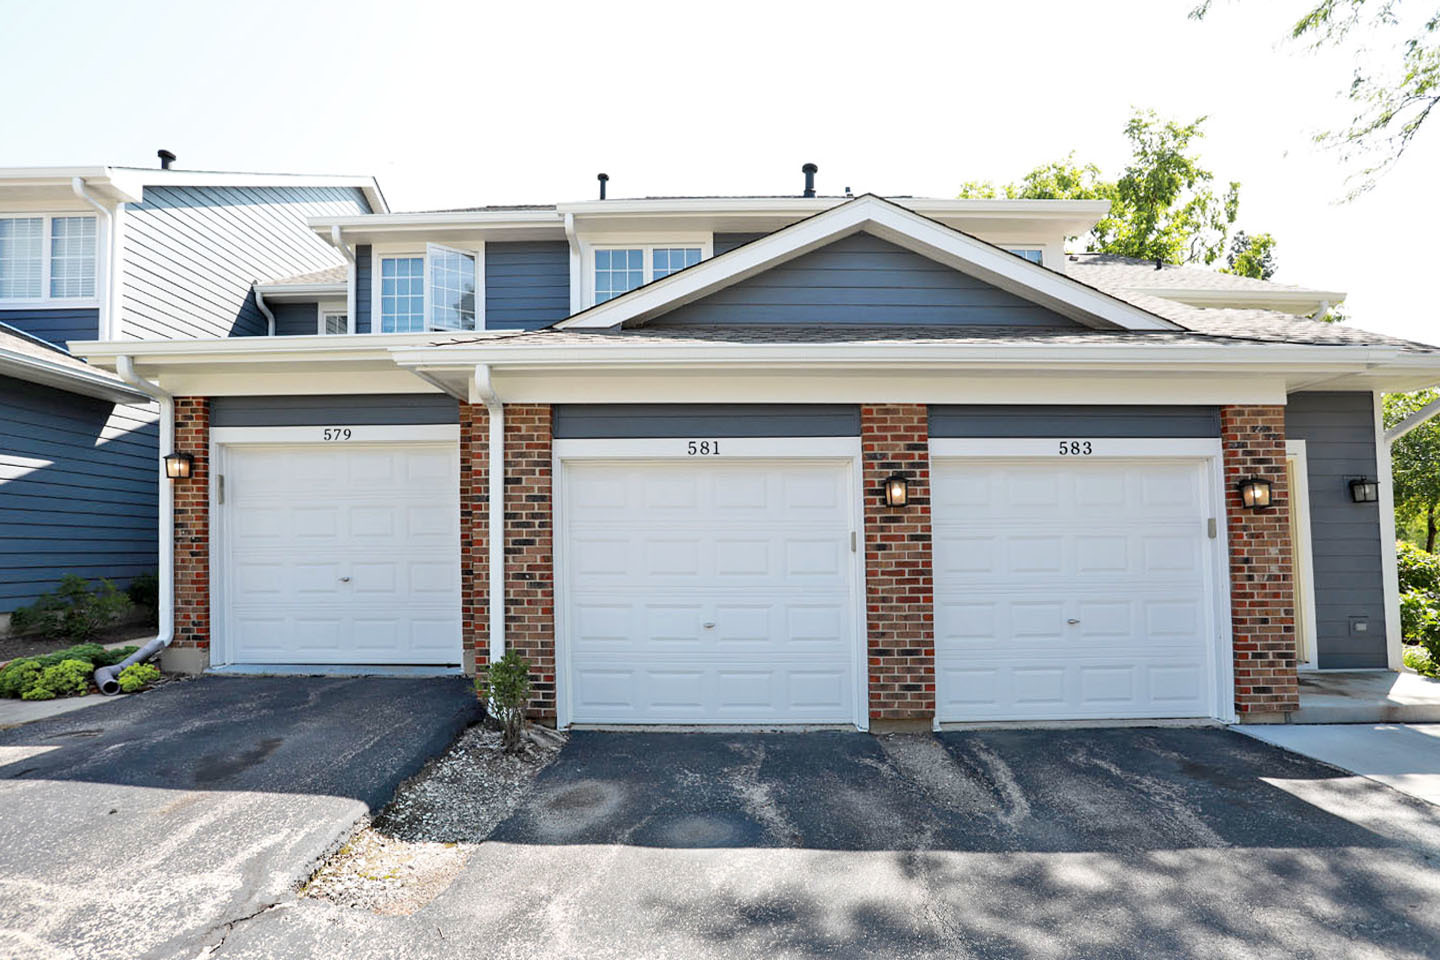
column 106, row 678
column 339, row 244
column 495, row 507
column 108, row 301
column 264, row 308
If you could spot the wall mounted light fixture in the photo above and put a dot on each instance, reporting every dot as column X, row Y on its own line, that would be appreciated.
column 1364, row 491
column 897, row 490
column 178, row 465
column 1255, row 493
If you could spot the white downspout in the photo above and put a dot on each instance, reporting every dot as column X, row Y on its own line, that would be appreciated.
column 350, row 319
column 105, row 677
column 109, row 325
column 260, row 302
column 495, row 507
column 577, row 266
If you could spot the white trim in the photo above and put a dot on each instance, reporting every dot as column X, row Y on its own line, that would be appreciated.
column 381, row 252
column 1304, row 553
column 1101, row 448
column 728, row 448
column 359, row 434
column 646, row 243
column 1298, row 302
column 99, row 280
column 90, row 383
column 323, row 313
column 890, row 222
column 1389, row 563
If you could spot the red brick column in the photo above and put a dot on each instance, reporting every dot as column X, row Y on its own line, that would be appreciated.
column 474, row 535
column 1261, row 575
column 899, row 584
column 529, row 550
column 192, row 530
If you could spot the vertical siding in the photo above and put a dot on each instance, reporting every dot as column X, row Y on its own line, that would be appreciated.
column 863, row 280
column 192, row 254
column 56, row 326
column 363, row 263
column 527, row 285
column 295, row 319
column 1339, row 434
column 725, row 242
column 77, row 490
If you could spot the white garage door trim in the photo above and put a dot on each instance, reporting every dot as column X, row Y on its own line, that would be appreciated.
column 340, row 434
column 843, row 451
column 1206, row 452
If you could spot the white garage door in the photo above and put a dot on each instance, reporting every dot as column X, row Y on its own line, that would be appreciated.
column 342, row 554
column 709, row 592
column 1072, row 590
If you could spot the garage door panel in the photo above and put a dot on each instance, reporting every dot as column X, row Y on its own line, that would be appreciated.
column 709, row 692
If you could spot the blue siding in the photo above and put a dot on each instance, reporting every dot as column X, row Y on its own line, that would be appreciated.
column 527, row 285
column 725, row 242
column 1076, row 420
column 626, row 420
column 192, row 254
column 863, row 280
column 319, row 411
column 1346, row 548
column 295, row 319
column 57, row 326
column 362, row 289
column 77, row 490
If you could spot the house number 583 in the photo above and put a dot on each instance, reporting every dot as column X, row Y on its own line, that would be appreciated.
column 703, row 448
column 1075, row 448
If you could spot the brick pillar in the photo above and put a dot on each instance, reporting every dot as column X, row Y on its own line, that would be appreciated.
column 474, row 536
column 190, row 650
column 899, row 584
column 1262, row 600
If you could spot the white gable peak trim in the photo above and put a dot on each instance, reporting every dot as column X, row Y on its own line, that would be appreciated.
column 895, row 224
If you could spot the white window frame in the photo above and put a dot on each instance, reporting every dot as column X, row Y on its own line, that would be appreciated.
column 1052, row 253
column 646, row 243
column 45, row 299
column 387, row 251
column 323, row 311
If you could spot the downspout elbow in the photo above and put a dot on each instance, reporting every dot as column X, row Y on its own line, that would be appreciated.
column 264, row 309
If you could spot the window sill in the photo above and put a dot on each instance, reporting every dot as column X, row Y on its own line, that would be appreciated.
column 78, row 304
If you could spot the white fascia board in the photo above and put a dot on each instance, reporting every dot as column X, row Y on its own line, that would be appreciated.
column 300, row 291
column 1298, row 302
column 373, row 348
column 37, row 370
column 1068, row 297
column 420, row 221
column 128, row 184
column 809, row 206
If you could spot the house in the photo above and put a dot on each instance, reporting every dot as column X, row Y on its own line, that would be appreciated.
column 823, row 460
column 122, row 254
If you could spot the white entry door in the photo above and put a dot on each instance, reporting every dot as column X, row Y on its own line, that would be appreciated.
column 342, row 554
column 717, row 592
column 1072, row 590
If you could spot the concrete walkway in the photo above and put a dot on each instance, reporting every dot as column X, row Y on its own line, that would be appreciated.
column 1405, row 757
column 1367, row 696
column 13, row 713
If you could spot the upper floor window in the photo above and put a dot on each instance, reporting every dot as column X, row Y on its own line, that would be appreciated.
column 1032, row 254
column 431, row 292
column 621, row 269
column 46, row 258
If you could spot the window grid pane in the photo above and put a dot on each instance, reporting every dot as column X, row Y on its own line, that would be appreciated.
column 22, row 250
column 1034, row 256
column 452, row 290
column 402, row 294
column 669, row 260
column 336, row 323
column 617, row 271
column 72, row 257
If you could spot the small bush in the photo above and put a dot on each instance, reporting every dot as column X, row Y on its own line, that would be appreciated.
column 1417, row 659
column 144, row 591
column 26, row 674
column 1418, row 570
column 67, row 678
column 73, row 610
column 505, row 686
column 137, row 677
column 19, row 676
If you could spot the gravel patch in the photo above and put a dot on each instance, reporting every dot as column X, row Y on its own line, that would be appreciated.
column 420, row 841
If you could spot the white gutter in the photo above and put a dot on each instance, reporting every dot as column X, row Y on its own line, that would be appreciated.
column 105, row 677
column 339, row 244
column 269, row 316
column 494, row 507
column 110, row 302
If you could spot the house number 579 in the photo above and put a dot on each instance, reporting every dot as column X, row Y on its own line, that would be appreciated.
column 336, row 433
column 703, row 448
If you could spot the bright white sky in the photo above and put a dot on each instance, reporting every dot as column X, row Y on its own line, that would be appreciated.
column 463, row 103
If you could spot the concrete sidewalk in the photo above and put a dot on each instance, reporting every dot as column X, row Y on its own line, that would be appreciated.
column 1405, row 757
column 13, row 713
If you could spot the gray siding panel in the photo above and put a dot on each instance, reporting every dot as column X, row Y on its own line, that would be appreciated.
column 57, row 326
column 78, row 487
column 1339, row 433
column 318, row 411
column 863, row 280
column 527, row 285
column 702, row 420
column 363, row 262
column 192, row 254
column 295, row 319
column 725, row 242
column 1073, row 421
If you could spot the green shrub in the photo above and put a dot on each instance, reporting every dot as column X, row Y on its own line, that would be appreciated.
column 106, row 658
column 1418, row 570
column 73, row 610
column 137, row 677
column 19, row 676
column 505, row 686
column 1417, row 659
column 67, row 678
column 25, row 675
column 144, row 590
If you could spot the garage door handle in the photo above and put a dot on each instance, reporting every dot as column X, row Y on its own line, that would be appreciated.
column 1072, row 621
column 708, row 626
column 344, row 579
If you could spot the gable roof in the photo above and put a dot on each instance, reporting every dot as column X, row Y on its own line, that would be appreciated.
column 875, row 215
column 31, row 359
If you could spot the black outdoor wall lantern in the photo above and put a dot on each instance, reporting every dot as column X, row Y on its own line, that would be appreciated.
column 897, row 490
column 1255, row 493
column 177, row 465
column 1364, row 491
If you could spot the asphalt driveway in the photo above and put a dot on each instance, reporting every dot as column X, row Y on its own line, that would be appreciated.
column 146, row 826
column 1064, row 844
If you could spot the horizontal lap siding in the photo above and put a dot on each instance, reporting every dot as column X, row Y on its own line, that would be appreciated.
column 318, row 411
column 295, row 319
column 1073, row 421
column 193, row 253
column 1339, row 433
column 863, row 280
column 56, row 326
column 639, row 420
column 527, row 285
column 725, row 242
column 78, row 490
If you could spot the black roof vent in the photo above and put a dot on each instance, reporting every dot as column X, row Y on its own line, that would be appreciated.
column 604, row 178
column 166, row 158
column 809, row 170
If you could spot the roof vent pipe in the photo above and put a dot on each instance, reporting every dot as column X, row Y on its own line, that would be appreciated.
column 603, row 178
column 809, row 170
column 166, row 158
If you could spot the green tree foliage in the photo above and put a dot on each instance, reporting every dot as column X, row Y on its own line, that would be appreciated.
column 1164, row 206
column 1251, row 256
column 1391, row 96
column 73, row 611
column 1415, row 464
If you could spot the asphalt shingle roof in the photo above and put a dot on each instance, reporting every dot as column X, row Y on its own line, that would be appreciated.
column 336, row 274
column 1109, row 272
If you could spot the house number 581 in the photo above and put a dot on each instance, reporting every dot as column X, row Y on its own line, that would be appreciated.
column 703, row 448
